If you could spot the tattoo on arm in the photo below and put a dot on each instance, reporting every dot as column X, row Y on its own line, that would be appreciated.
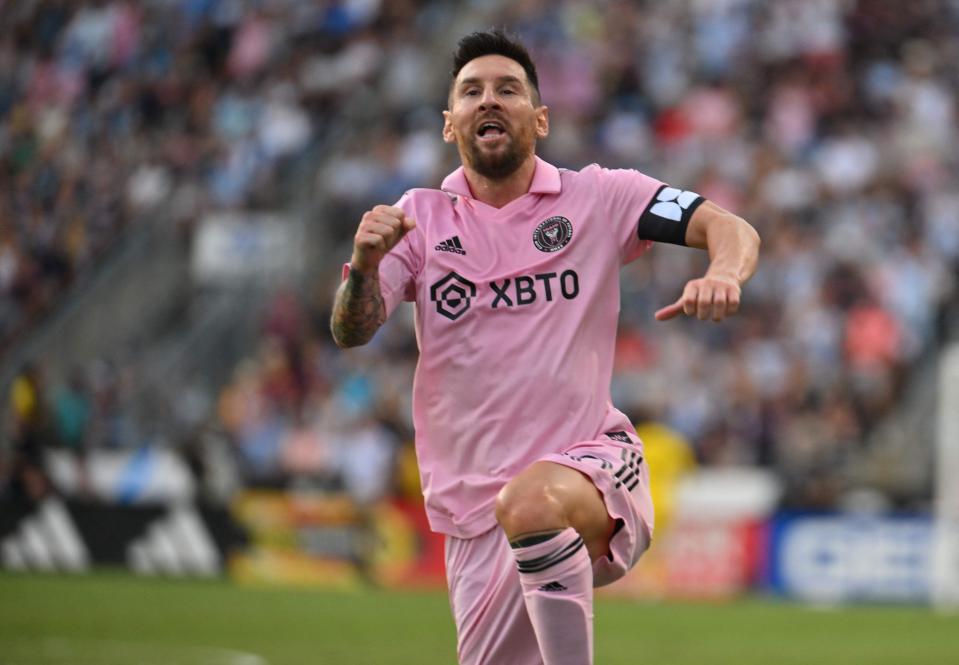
column 358, row 310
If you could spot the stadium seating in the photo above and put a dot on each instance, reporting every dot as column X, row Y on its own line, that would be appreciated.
column 829, row 125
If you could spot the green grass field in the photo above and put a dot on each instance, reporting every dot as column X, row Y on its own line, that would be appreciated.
column 121, row 620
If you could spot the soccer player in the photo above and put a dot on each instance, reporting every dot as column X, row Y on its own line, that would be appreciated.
column 535, row 478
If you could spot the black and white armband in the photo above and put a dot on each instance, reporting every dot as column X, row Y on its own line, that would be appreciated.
column 667, row 215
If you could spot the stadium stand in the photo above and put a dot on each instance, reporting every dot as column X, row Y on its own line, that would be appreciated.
column 831, row 126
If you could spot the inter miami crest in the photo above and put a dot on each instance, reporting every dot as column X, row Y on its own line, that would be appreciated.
column 553, row 234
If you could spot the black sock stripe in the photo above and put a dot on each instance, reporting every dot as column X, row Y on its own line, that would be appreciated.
column 541, row 559
column 569, row 552
column 551, row 559
column 528, row 541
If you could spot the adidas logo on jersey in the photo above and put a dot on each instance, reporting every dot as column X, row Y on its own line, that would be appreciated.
column 552, row 586
column 452, row 245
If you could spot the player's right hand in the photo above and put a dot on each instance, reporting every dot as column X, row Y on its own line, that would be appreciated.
column 379, row 231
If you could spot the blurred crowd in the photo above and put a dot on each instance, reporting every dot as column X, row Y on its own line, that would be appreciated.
column 109, row 109
column 831, row 125
column 115, row 114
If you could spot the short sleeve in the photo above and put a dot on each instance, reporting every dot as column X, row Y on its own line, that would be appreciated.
column 626, row 194
column 401, row 266
column 643, row 209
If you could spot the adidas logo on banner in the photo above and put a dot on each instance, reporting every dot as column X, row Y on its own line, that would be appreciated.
column 452, row 245
column 46, row 541
column 176, row 544
column 552, row 586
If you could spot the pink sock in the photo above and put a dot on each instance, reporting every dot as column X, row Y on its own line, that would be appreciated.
column 557, row 579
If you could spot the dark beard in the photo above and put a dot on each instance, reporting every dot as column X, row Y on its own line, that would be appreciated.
column 495, row 167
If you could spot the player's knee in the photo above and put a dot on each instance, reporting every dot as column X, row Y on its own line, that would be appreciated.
column 521, row 510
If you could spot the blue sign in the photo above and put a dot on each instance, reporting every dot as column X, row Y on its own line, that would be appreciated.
column 844, row 558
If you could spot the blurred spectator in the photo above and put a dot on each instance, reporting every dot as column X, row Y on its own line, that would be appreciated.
column 31, row 430
column 72, row 411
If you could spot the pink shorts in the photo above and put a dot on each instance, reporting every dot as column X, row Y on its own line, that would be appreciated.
column 492, row 626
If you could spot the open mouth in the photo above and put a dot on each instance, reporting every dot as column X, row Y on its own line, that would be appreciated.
column 490, row 131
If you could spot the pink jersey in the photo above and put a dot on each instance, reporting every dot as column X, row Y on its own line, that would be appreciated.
column 516, row 317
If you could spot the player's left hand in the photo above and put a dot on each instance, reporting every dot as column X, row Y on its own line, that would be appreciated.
column 711, row 297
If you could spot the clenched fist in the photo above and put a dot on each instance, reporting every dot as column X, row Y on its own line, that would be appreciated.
column 379, row 231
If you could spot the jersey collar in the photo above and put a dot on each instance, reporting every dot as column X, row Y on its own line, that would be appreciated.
column 546, row 180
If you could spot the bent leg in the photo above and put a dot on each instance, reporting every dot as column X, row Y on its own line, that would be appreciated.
column 547, row 497
column 557, row 524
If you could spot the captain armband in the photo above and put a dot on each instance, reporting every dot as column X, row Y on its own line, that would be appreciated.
column 668, row 215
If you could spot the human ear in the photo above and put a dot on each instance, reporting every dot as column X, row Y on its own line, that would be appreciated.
column 448, row 135
column 542, row 122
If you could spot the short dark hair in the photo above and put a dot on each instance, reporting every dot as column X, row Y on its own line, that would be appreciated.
column 494, row 42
